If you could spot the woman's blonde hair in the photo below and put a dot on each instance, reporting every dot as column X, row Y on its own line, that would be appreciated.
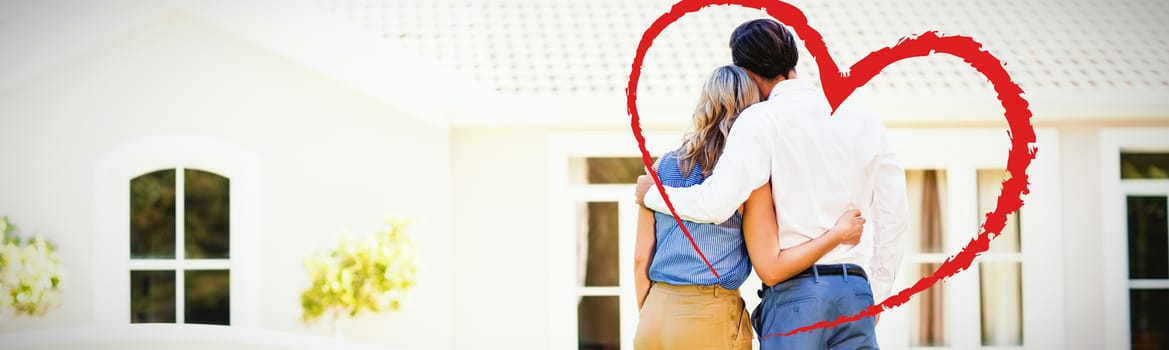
column 727, row 92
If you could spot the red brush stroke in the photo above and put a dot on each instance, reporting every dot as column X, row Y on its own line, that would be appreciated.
column 838, row 85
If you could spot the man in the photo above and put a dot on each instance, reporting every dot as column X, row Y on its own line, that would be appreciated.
column 820, row 165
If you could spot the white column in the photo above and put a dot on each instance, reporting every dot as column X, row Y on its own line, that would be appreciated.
column 963, row 304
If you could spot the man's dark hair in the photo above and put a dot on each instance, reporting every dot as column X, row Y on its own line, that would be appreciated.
column 764, row 47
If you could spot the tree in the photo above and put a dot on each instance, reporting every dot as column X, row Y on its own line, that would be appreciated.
column 370, row 274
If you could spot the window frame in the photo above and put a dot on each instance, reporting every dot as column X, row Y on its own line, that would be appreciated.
column 917, row 148
column 111, row 245
column 563, row 196
column 985, row 148
column 1113, row 193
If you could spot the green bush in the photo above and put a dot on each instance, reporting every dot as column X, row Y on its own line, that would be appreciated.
column 30, row 273
column 369, row 274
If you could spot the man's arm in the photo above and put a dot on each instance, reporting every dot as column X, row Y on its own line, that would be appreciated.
column 745, row 165
column 761, row 233
column 890, row 216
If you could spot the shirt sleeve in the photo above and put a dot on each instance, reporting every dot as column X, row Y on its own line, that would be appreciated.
column 891, row 220
column 744, row 165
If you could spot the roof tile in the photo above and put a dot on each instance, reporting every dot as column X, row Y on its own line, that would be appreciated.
column 530, row 47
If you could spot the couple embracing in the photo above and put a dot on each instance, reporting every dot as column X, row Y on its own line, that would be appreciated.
column 767, row 178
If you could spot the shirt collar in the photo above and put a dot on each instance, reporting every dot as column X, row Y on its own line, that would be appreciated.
column 790, row 85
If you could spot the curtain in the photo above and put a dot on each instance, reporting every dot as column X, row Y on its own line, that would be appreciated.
column 932, row 326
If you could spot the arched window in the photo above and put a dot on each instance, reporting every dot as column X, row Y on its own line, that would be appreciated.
column 180, row 247
column 176, row 236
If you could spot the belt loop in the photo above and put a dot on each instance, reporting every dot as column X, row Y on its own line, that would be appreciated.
column 844, row 268
column 815, row 274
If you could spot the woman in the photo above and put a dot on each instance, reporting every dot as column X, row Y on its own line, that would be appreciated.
column 682, row 304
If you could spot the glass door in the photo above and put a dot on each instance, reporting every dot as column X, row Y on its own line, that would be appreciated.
column 1145, row 183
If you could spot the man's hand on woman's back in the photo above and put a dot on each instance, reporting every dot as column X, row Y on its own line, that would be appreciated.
column 849, row 227
column 644, row 183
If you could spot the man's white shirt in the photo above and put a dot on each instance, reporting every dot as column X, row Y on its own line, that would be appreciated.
column 820, row 166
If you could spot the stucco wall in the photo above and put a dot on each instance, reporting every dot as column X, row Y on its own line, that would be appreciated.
column 499, row 185
column 1083, row 255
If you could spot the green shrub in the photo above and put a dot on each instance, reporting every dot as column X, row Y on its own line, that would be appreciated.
column 30, row 273
column 369, row 274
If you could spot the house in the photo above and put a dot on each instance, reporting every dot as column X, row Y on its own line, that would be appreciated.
column 500, row 129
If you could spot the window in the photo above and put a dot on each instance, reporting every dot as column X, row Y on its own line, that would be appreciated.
column 951, row 187
column 179, row 247
column 592, row 227
column 1000, row 271
column 934, row 314
column 175, row 233
column 600, row 241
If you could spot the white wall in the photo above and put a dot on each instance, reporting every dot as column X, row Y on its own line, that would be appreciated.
column 1083, row 256
column 330, row 159
column 499, row 183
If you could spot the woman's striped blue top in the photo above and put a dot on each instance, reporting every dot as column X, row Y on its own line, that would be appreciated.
column 675, row 261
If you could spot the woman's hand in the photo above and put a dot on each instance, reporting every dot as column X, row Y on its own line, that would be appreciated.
column 848, row 227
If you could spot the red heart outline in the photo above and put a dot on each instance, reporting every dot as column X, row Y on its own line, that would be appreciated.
column 838, row 87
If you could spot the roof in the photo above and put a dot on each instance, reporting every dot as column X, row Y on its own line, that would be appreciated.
column 1101, row 49
column 561, row 62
